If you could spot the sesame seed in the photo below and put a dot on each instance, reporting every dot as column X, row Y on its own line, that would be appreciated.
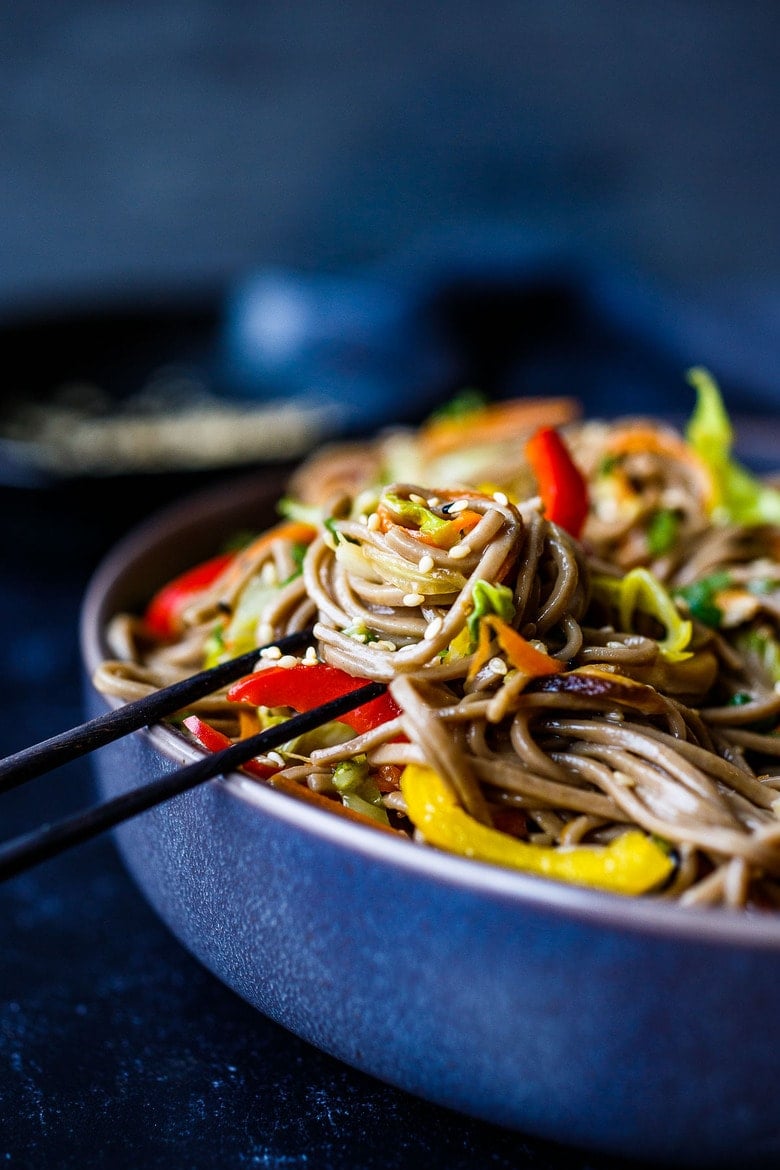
column 457, row 506
column 383, row 644
column 459, row 552
column 497, row 666
column 373, row 522
column 288, row 661
column 501, row 498
column 310, row 657
column 412, row 599
column 433, row 501
column 415, row 499
column 433, row 628
column 426, row 563
column 275, row 758
column 271, row 652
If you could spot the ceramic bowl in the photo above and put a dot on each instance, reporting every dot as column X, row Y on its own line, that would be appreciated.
column 627, row 1027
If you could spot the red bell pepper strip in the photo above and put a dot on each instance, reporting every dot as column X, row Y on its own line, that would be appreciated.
column 562, row 486
column 303, row 687
column 163, row 613
column 214, row 741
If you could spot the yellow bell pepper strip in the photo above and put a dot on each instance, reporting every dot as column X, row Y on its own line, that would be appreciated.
column 632, row 864
column 561, row 484
column 640, row 590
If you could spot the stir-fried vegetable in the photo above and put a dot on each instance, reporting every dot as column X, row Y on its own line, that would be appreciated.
column 562, row 485
column 305, row 686
column 741, row 496
column 164, row 612
column 631, row 864
column 427, row 526
column 639, row 592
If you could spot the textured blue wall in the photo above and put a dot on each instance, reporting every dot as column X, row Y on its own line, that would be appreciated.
column 178, row 144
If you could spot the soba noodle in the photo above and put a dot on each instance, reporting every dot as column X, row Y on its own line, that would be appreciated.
column 565, row 692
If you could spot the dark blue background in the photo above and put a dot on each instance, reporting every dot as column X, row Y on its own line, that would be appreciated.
column 607, row 174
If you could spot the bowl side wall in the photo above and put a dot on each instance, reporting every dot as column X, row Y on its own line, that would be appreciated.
column 568, row 1026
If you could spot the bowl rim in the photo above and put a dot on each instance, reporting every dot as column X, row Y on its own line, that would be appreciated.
column 665, row 920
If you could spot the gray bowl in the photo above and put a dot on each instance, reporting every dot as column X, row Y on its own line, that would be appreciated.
column 628, row 1027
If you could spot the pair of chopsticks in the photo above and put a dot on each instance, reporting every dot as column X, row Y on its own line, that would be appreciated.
column 48, row 840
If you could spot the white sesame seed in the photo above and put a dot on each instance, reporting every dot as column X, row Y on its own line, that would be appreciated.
column 275, row 758
column 501, row 498
column 383, row 644
column 265, row 632
column 412, row 599
column 415, row 499
column 497, row 666
column 425, row 564
column 288, row 661
column 373, row 522
column 310, row 657
column 457, row 506
column 271, row 652
column 459, row 552
column 433, row 628
column 433, row 501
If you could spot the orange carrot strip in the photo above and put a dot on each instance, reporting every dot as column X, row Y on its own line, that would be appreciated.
column 496, row 422
column 521, row 654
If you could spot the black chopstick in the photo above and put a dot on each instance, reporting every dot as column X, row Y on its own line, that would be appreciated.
column 47, row 841
column 60, row 749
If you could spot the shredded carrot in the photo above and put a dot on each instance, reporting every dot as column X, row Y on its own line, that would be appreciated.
column 497, row 422
column 248, row 722
column 482, row 652
column 521, row 654
column 293, row 531
column 450, row 533
column 309, row 796
column 640, row 438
